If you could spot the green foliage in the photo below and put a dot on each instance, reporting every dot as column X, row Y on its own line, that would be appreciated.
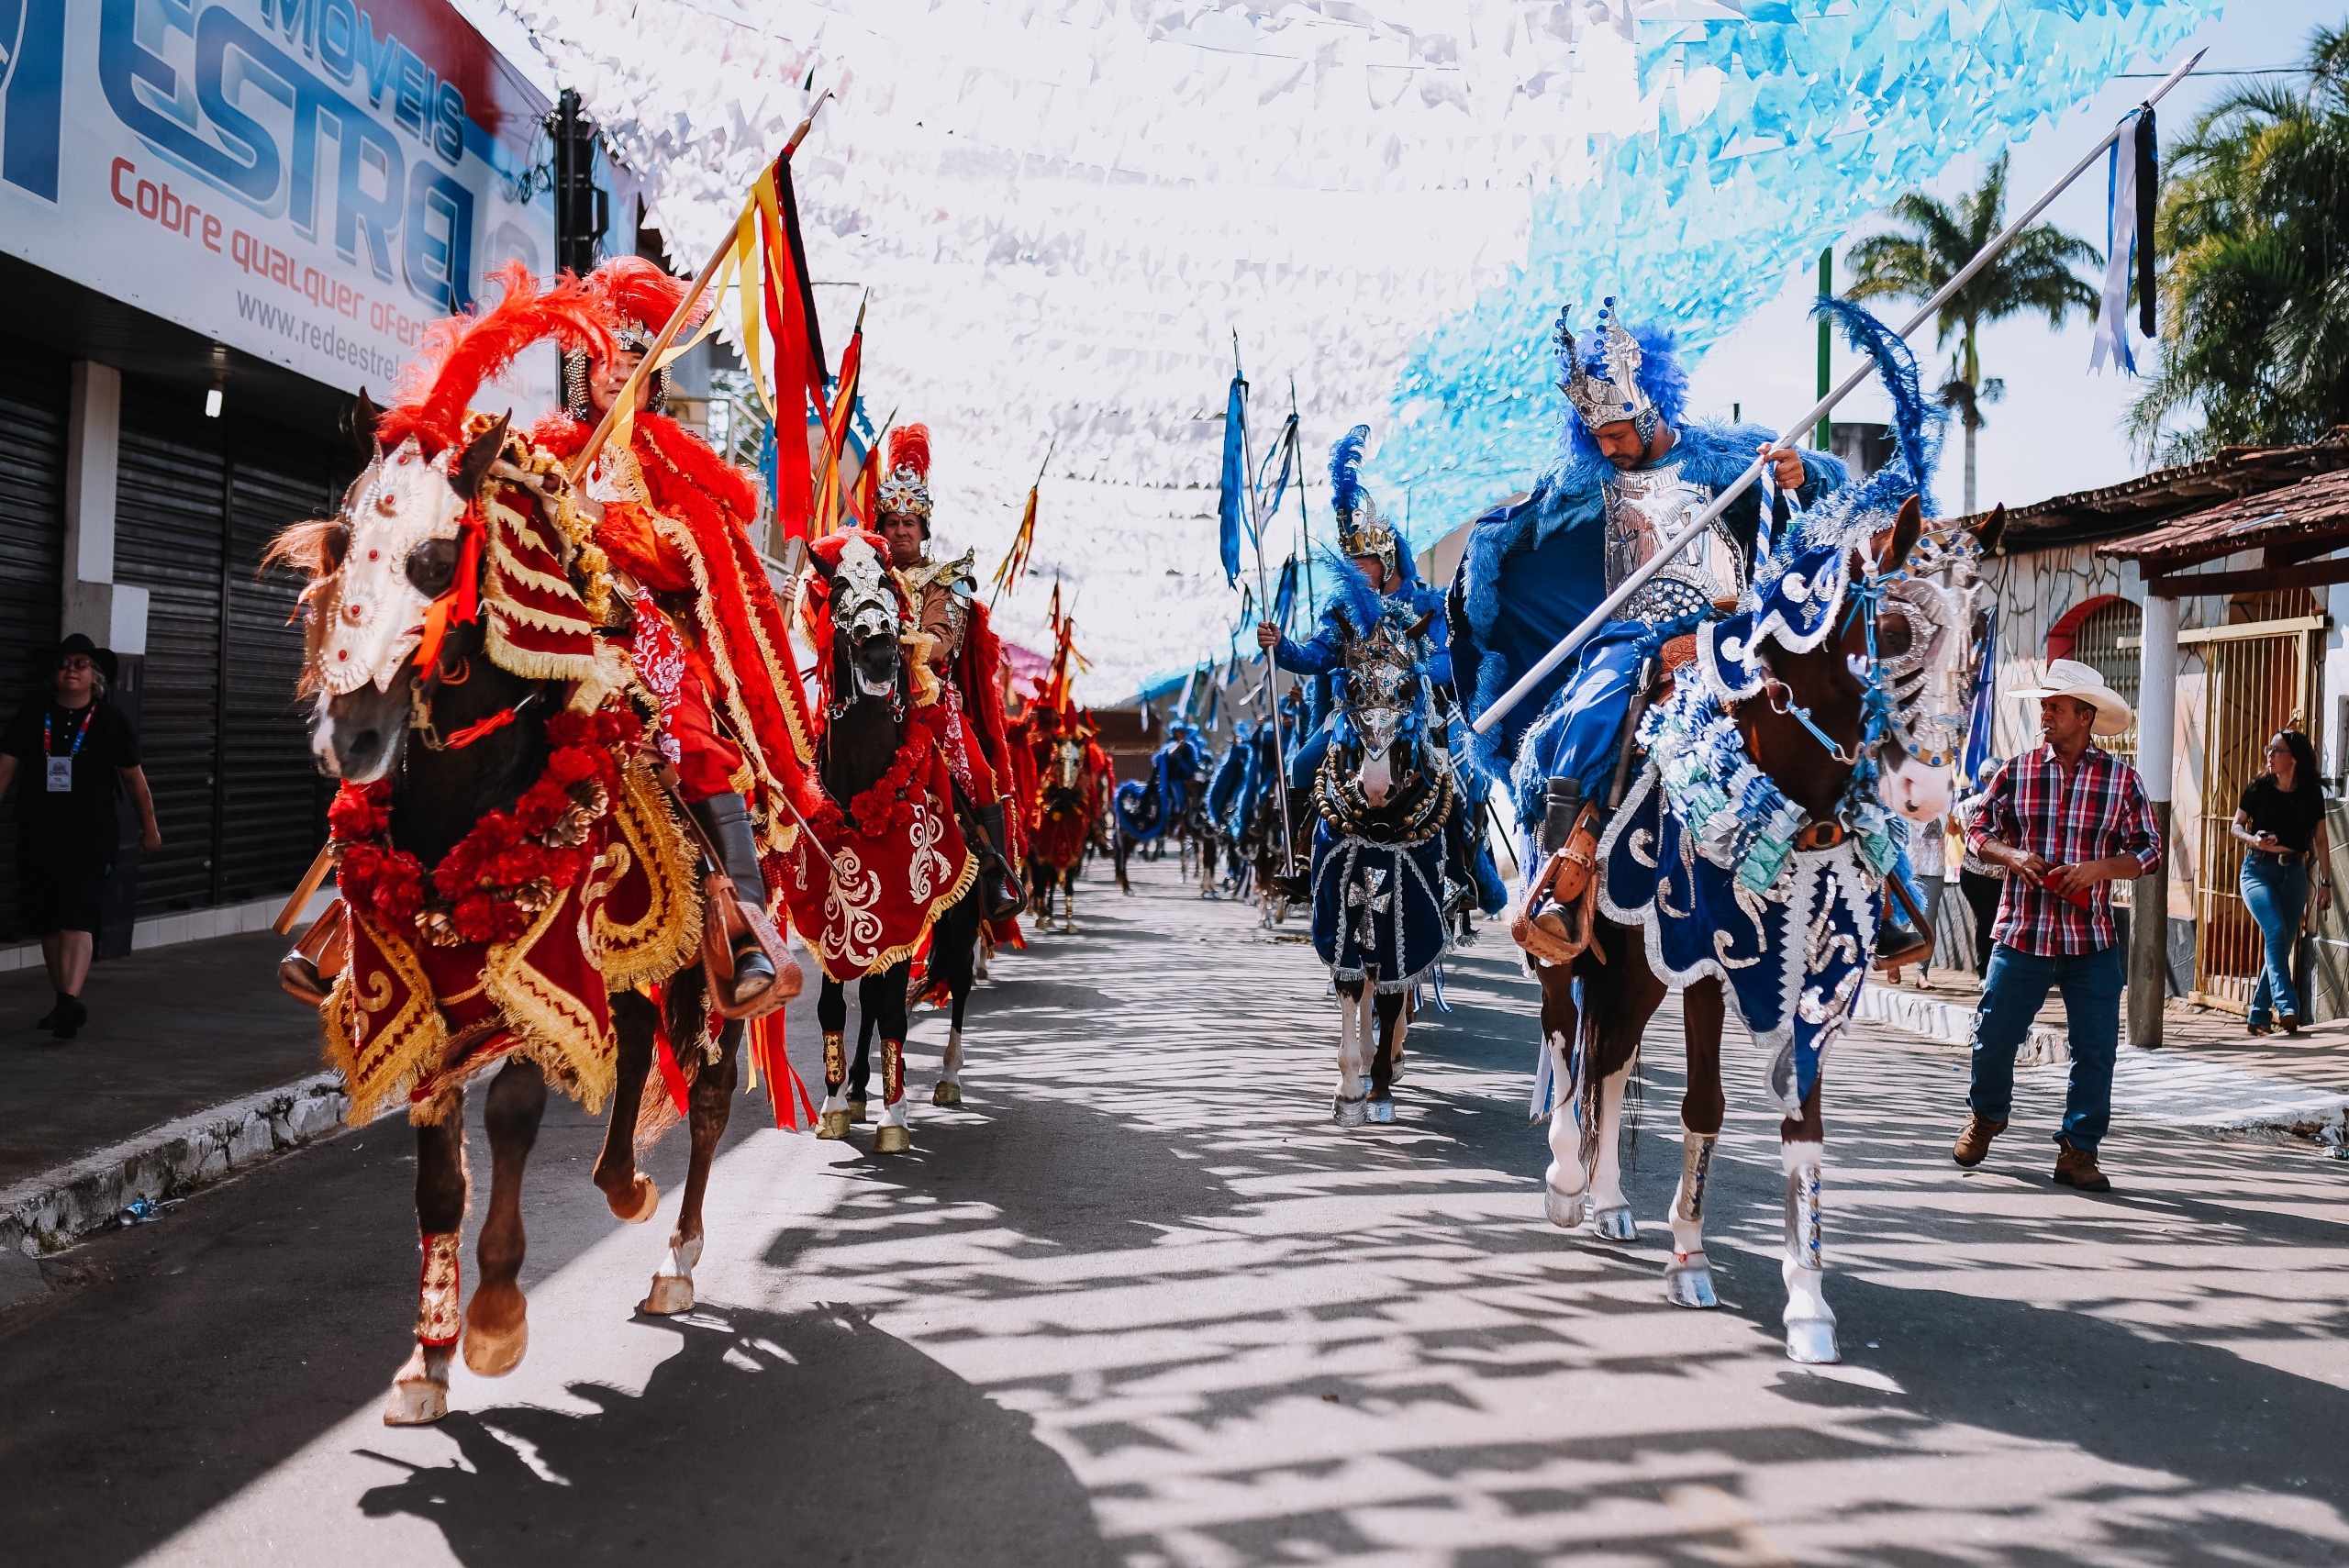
column 2255, row 297
column 2034, row 275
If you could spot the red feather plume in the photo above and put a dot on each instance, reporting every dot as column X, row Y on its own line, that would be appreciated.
column 639, row 292
column 462, row 352
column 910, row 448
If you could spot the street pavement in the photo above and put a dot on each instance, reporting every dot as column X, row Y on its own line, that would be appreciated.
column 1138, row 1303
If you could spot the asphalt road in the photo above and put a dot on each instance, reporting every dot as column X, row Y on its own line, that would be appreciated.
column 1138, row 1303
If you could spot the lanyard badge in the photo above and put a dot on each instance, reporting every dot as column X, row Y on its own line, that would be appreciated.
column 61, row 769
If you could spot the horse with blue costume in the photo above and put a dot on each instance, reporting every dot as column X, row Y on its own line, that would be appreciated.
column 1752, row 857
column 1389, row 856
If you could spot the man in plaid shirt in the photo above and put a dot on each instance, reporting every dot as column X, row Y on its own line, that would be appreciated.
column 2064, row 820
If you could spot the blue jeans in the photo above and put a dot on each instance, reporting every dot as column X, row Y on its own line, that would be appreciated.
column 2276, row 894
column 2011, row 995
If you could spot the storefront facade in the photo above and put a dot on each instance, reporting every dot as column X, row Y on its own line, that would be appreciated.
column 220, row 221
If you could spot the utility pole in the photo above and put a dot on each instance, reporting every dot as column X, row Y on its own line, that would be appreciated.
column 1824, row 437
column 581, row 206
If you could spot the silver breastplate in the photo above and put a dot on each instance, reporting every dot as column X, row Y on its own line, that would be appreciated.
column 1645, row 506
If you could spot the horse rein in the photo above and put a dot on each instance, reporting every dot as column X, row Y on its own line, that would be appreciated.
column 420, row 715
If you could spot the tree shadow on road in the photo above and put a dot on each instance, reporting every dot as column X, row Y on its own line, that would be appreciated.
column 805, row 1437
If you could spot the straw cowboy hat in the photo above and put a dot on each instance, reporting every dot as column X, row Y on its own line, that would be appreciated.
column 2070, row 678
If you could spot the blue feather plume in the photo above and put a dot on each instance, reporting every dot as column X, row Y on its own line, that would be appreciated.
column 1345, row 469
column 1916, row 423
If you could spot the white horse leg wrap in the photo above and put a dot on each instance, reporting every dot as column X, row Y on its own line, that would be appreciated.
column 951, row 1071
column 1607, row 1180
column 1566, row 1174
column 1810, row 1322
column 1689, row 1198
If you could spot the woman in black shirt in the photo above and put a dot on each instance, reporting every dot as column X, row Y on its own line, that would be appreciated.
column 70, row 756
column 2281, row 817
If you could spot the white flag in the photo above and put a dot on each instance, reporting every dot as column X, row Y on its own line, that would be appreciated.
column 2119, row 251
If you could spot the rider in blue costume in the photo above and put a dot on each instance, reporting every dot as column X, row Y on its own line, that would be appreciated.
column 1633, row 473
column 1385, row 566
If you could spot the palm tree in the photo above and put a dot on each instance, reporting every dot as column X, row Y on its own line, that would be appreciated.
column 2255, row 296
column 2032, row 275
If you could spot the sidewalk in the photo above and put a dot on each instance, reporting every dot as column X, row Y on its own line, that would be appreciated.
column 192, row 1063
column 2207, row 1074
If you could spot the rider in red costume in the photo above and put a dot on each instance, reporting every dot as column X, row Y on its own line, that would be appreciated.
column 963, row 651
column 707, row 633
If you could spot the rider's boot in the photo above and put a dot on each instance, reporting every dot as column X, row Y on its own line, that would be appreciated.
column 728, row 822
column 1000, row 887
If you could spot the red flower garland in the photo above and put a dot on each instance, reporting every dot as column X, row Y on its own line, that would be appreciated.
column 885, row 806
column 503, row 873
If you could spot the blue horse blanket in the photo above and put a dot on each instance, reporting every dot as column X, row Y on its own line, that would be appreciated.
column 1794, row 954
column 1378, row 909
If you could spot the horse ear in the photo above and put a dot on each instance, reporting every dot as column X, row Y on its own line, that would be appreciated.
column 473, row 467
column 1893, row 545
column 363, row 418
column 1991, row 529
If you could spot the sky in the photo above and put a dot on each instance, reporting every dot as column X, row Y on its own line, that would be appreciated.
column 2061, row 428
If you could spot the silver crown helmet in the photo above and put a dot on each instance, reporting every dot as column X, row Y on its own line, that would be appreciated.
column 1608, row 393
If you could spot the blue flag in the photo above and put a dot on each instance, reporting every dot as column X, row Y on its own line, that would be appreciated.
column 1235, row 478
column 1985, row 709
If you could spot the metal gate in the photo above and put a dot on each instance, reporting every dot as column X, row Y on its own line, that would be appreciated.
column 2261, row 677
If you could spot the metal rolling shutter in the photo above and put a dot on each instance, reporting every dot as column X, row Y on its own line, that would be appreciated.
column 34, row 398
column 273, row 813
column 171, row 503
column 241, row 808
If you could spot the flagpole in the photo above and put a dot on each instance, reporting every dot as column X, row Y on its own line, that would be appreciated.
column 1670, row 550
column 646, row 366
column 1256, row 532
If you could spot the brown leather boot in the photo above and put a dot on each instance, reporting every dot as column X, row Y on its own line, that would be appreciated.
column 1973, row 1143
column 2075, row 1168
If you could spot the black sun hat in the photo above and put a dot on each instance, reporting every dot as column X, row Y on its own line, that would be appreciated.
column 104, row 657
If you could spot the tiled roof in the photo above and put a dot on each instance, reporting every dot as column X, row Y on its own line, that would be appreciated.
column 2167, row 495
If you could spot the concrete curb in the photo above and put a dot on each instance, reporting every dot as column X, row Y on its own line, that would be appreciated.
column 44, row 1213
column 1952, row 1024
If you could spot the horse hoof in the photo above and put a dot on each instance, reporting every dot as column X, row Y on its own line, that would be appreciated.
column 832, row 1124
column 946, row 1093
column 856, row 1113
column 492, row 1352
column 670, row 1294
column 1383, row 1112
column 1564, row 1209
column 1350, row 1112
column 892, row 1141
column 636, row 1205
column 1614, row 1225
column 1688, row 1282
column 420, row 1390
column 1811, row 1340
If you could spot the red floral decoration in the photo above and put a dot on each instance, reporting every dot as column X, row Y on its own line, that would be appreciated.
column 502, row 875
column 886, row 805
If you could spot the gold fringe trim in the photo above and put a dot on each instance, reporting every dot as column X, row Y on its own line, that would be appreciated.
column 551, row 1026
column 419, row 1036
column 668, row 939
